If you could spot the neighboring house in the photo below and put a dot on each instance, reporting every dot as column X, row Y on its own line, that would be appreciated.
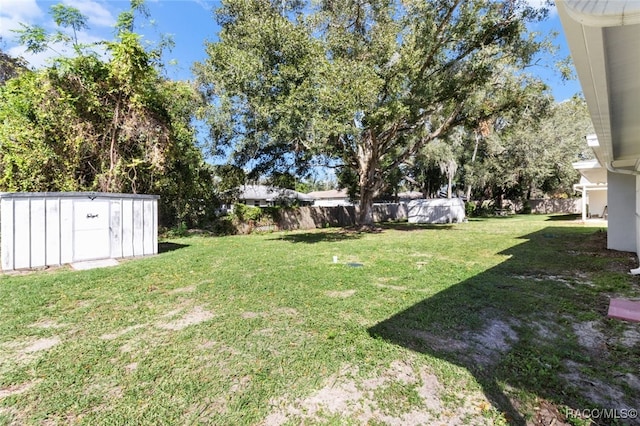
column 406, row 197
column 593, row 187
column 604, row 39
column 269, row 196
column 330, row 198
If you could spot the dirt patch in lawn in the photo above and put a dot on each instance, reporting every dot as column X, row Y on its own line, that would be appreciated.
column 392, row 287
column 340, row 294
column 17, row 389
column 288, row 312
column 398, row 395
column 181, row 290
column 484, row 347
column 28, row 348
column 569, row 281
column 596, row 390
column 47, row 324
column 630, row 337
column 589, row 336
column 196, row 315
column 124, row 331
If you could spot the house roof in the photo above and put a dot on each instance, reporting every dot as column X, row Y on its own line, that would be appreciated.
column 604, row 39
column 411, row 195
column 591, row 171
column 332, row 194
column 270, row 193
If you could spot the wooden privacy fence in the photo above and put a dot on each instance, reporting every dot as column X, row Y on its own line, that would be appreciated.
column 340, row 216
column 321, row 217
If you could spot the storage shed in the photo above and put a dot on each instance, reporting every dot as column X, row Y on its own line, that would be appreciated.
column 437, row 210
column 54, row 228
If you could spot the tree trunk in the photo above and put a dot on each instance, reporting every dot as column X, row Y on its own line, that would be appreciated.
column 367, row 159
column 365, row 215
column 473, row 160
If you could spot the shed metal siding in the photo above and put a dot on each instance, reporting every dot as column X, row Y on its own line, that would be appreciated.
column 48, row 229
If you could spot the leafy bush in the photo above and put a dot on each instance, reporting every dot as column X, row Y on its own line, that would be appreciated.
column 470, row 208
column 244, row 213
column 224, row 226
column 485, row 209
column 180, row 230
column 272, row 213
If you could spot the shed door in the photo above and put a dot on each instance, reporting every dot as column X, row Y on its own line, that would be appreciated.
column 91, row 230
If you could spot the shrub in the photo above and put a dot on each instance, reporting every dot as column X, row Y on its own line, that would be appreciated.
column 179, row 230
column 244, row 213
column 470, row 208
column 224, row 226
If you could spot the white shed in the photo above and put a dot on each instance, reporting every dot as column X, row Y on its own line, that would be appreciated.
column 54, row 228
column 437, row 210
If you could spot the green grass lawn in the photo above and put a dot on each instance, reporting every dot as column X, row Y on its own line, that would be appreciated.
column 492, row 321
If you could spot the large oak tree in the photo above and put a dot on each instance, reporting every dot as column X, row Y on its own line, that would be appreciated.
column 364, row 82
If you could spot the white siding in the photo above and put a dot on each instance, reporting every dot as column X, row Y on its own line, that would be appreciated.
column 127, row 228
column 637, row 221
column 439, row 210
column 115, row 227
column 597, row 202
column 7, row 234
column 91, row 239
column 22, row 234
column 66, row 230
column 46, row 229
column 38, row 224
column 621, row 233
column 53, row 249
column 138, row 233
column 147, row 227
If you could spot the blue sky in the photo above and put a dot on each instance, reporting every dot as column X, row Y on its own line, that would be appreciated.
column 190, row 22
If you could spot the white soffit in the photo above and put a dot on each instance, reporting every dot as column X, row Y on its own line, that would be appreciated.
column 604, row 39
column 604, row 13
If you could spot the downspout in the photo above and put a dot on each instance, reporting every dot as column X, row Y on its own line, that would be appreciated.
column 634, row 172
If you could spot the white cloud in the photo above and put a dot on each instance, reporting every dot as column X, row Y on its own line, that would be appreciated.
column 14, row 12
column 25, row 9
column 100, row 20
column 97, row 13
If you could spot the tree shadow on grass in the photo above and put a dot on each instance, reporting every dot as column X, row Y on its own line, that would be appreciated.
column 406, row 226
column 165, row 247
column 533, row 332
column 564, row 217
column 319, row 237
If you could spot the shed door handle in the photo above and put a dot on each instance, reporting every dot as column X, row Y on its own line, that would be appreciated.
column 91, row 215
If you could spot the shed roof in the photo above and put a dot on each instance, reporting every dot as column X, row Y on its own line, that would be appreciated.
column 89, row 194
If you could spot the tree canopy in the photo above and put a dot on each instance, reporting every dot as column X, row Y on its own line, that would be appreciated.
column 10, row 67
column 115, row 125
column 534, row 155
column 368, row 83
